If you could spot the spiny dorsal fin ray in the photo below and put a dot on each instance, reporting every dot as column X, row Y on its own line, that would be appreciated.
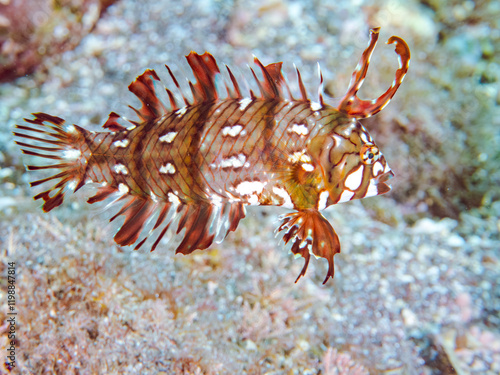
column 321, row 87
column 273, row 79
column 173, row 102
column 310, row 233
column 237, row 92
column 204, row 69
column 143, row 88
column 112, row 123
column 176, row 83
column 303, row 92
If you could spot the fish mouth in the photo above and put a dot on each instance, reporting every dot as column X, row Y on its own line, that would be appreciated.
column 382, row 185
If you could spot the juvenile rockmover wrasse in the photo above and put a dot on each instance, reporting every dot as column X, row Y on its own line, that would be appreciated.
column 194, row 166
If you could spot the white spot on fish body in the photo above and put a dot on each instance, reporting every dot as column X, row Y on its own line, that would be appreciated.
column 364, row 138
column 253, row 200
column 181, row 111
column 71, row 154
column 387, row 168
column 216, row 200
column 377, row 168
column 323, row 199
column 347, row 132
column 345, row 196
column 338, row 140
column 300, row 129
column 244, row 103
column 153, row 196
column 308, row 167
column 122, row 143
column 168, row 138
column 299, row 156
column 234, row 162
column 172, row 198
column 249, row 187
column 123, row 189
column 232, row 131
column 283, row 194
column 120, row 169
column 167, row 169
column 131, row 127
column 372, row 189
column 316, row 106
column 353, row 181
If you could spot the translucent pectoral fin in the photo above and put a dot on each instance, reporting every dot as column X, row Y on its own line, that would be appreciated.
column 310, row 233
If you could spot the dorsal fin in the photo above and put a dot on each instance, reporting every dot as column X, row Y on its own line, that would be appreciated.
column 204, row 69
column 237, row 92
column 356, row 107
column 173, row 102
column 273, row 79
column 143, row 88
column 112, row 124
column 303, row 92
column 186, row 102
column 321, row 87
column 274, row 71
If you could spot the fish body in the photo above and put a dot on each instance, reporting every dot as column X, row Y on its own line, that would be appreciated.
column 197, row 166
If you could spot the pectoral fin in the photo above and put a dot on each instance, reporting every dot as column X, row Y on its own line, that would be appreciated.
column 310, row 233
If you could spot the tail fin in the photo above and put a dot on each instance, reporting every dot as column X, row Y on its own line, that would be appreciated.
column 310, row 233
column 63, row 143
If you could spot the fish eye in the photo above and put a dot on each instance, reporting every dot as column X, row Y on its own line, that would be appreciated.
column 369, row 154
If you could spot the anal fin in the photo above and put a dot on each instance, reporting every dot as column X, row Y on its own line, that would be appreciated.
column 204, row 222
column 199, row 224
column 310, row 233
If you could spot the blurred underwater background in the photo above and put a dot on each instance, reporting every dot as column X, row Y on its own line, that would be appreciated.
column 416, row 287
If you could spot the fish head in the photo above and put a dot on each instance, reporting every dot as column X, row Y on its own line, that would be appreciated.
column 352, row 164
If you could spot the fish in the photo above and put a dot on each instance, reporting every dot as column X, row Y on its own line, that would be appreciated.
column 188, row 166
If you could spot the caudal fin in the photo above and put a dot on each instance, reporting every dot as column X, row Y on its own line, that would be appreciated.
column 48, row 137
column 311, row 233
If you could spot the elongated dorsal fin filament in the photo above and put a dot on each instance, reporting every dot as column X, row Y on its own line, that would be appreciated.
column 350, row 103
